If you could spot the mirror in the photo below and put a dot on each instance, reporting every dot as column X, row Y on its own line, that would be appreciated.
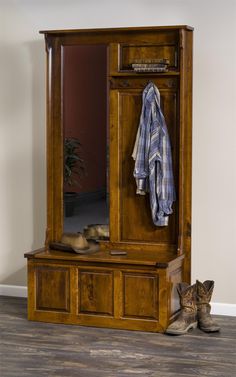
column 85, row 124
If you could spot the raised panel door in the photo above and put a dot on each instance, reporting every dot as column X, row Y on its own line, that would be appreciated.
column 130, row 213
column 140, row 296
column 96, row 292
column 52, row 288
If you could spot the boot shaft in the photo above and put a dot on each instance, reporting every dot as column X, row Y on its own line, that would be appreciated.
column 188, row 310
column 187, row 296
column 203, row 295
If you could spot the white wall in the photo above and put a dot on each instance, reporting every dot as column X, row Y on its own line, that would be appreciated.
column 22, row 123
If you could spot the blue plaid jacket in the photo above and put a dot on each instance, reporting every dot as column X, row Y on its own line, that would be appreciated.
column 153, row 160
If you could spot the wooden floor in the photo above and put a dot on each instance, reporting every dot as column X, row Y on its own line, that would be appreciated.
column 40, row 349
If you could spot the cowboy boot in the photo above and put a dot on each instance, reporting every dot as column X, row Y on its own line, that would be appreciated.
column 204, row 292
column 188, row 310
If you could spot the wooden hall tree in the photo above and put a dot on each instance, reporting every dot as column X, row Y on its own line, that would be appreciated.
column 136, row 290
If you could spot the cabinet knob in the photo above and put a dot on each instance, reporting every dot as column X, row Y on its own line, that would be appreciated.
column 125, row 83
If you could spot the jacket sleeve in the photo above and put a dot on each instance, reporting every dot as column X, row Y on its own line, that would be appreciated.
column 141, row 150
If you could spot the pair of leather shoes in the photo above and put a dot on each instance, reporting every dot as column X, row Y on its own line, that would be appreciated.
column 194, row 308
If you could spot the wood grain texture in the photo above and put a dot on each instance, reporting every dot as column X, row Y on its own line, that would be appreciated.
column 125, row 45
column 130, row 53
column 127, row 293
column 185, row 151
column 48, row 281
column 145, row 303
column 90, row 289
column 96, row 292
column 31, row 349
column 55, row 141
column 102, row 256
column 138, row 226
column 120, row 30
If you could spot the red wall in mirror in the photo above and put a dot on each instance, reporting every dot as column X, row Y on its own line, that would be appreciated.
column 85, row 110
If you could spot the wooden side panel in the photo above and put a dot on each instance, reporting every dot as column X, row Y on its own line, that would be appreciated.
column 175, row 278
column 140, row 296
column 55, row 140
column 96, row 292
column 185, row 148
column 133, row 221
column 52, row 288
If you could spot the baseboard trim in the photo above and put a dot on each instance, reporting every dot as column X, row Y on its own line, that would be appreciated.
column 13, row 290
column 217, row 308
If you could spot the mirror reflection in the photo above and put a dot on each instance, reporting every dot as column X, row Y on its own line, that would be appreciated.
column 85, row 120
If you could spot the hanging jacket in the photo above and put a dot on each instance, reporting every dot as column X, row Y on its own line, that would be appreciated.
column 153, row 160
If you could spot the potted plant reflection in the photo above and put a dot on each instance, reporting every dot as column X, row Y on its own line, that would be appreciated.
column 73, row 170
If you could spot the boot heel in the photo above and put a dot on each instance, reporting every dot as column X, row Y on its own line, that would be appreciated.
column 192, row 326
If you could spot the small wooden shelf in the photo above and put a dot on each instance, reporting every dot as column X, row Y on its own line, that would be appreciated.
column 146, row 74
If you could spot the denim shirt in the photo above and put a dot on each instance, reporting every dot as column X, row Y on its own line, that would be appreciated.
column 153, row 161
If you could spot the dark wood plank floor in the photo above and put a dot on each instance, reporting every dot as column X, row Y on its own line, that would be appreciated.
column 36, row 349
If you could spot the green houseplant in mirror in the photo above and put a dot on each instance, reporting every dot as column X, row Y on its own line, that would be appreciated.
column 73, row 170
